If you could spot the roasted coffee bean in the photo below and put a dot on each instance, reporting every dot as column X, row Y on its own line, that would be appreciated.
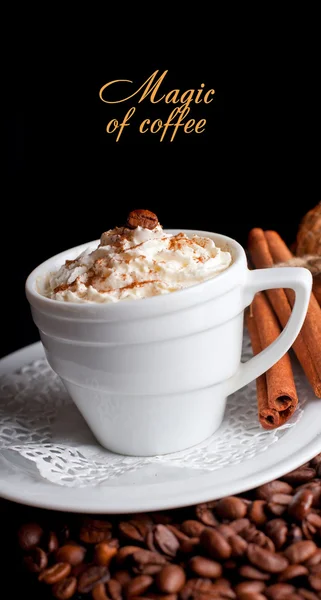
column 277, row 530
column 283, row 499
column 139, row 585
column 36, row 561
column 165, row 540
column 215, row 544
column 238, row 545
column 300, row 551
column 314, row 560
column 293, row 571
column 179, row 534
column 99, row 592
column 315, row 488
column 95, row 531
column 50, row 544
column 250, row 572
column 230, row 508
column 311, row 525
column 276, row 509
column 266, row 560
column 142, row 218
column 192, row 528
column 204, row 512
column 204, row 567
column 266, row 491
column 249, row 587
column 256, row 512
column 171, row 579
column 133, row 531
column 91, row 577
column 56, row 573
column 308, row 529
column 114, row 589
column 71, row 553
column 65, row 589
column 29, row 536
column 147, row 557
column 143, row 526
column 186, row 544
column 299, row 476
column 105, row 551
column 255, row 536
column 300, row 504
column 240, row 525
column 279, row 591
column 146, row 562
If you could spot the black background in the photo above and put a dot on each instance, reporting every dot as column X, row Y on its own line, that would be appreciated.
column 256, row 164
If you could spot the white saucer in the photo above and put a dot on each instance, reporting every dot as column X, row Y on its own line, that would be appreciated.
column 238, row 457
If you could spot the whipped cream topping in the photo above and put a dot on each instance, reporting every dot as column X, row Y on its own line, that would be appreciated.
column 136, row 263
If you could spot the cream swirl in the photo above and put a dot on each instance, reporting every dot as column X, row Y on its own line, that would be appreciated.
column 136, row 263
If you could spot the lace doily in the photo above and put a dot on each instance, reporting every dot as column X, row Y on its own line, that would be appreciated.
column 39, row 421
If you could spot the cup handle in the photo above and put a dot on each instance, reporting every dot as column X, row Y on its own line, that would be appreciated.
column 299, row 280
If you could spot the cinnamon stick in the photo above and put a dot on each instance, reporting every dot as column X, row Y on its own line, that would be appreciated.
column 268, row 417
column 311, row 329
column 262, row 258
column 276, row 393
column 317, row 290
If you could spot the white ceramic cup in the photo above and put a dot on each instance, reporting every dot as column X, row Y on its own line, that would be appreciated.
column 152, row 376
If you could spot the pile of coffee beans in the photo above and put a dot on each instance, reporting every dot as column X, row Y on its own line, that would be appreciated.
column 261, row 545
